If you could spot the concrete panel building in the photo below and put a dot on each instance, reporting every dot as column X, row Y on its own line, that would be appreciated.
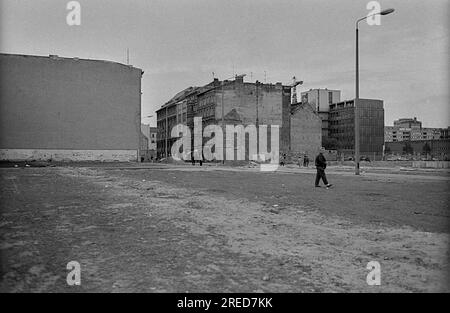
column 410, row 129
column 68, row 109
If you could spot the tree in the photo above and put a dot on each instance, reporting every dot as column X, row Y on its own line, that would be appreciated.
column 426, row 148
column 407, row 148
column 330, row 143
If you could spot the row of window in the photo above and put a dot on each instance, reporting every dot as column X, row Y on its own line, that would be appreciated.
column 206, row 111
column 206, row 100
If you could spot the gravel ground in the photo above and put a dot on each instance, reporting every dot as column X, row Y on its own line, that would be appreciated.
column 192, row 229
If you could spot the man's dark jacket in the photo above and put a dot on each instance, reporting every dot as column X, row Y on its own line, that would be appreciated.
column 321, row 162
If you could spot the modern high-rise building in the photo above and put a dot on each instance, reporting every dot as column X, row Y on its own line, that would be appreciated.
column 371, row 128
column 321, row 99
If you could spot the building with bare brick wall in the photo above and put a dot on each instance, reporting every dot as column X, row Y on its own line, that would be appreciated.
column 305, row 131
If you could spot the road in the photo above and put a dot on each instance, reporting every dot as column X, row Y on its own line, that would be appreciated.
column 169, row 228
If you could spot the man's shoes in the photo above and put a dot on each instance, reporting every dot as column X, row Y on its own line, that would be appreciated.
column 318, row 186
column 329, row 185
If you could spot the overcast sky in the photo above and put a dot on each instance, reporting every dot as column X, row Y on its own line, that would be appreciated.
column 404, row 61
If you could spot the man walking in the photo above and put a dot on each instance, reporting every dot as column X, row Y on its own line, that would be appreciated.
column 321, row 164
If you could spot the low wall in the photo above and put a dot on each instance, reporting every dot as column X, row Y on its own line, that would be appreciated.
column 431, row 164
column 373, row 163
column 68, row 155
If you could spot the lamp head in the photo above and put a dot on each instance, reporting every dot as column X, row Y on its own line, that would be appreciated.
column 387, row 11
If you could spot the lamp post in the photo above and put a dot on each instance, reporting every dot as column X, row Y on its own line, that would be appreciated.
column 384, row 12
column 257, row 120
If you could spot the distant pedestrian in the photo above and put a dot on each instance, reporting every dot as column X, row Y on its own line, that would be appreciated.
column 299, row 161
column 306, row 161
column 321, row 165
column 283, row 159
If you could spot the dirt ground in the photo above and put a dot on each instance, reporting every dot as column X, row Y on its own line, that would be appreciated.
column 218, row 229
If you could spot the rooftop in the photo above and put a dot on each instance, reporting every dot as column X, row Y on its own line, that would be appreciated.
column 57, row 57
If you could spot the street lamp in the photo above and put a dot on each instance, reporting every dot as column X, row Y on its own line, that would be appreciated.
column 148, row 116
column 384, row 12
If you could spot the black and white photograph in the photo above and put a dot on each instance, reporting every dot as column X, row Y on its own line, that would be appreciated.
column 224, row 152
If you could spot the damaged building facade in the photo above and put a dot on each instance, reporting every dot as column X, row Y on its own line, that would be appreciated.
column 68, row 109
column 237, row 102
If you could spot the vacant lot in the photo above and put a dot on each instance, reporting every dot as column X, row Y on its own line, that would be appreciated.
column 207, row 229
